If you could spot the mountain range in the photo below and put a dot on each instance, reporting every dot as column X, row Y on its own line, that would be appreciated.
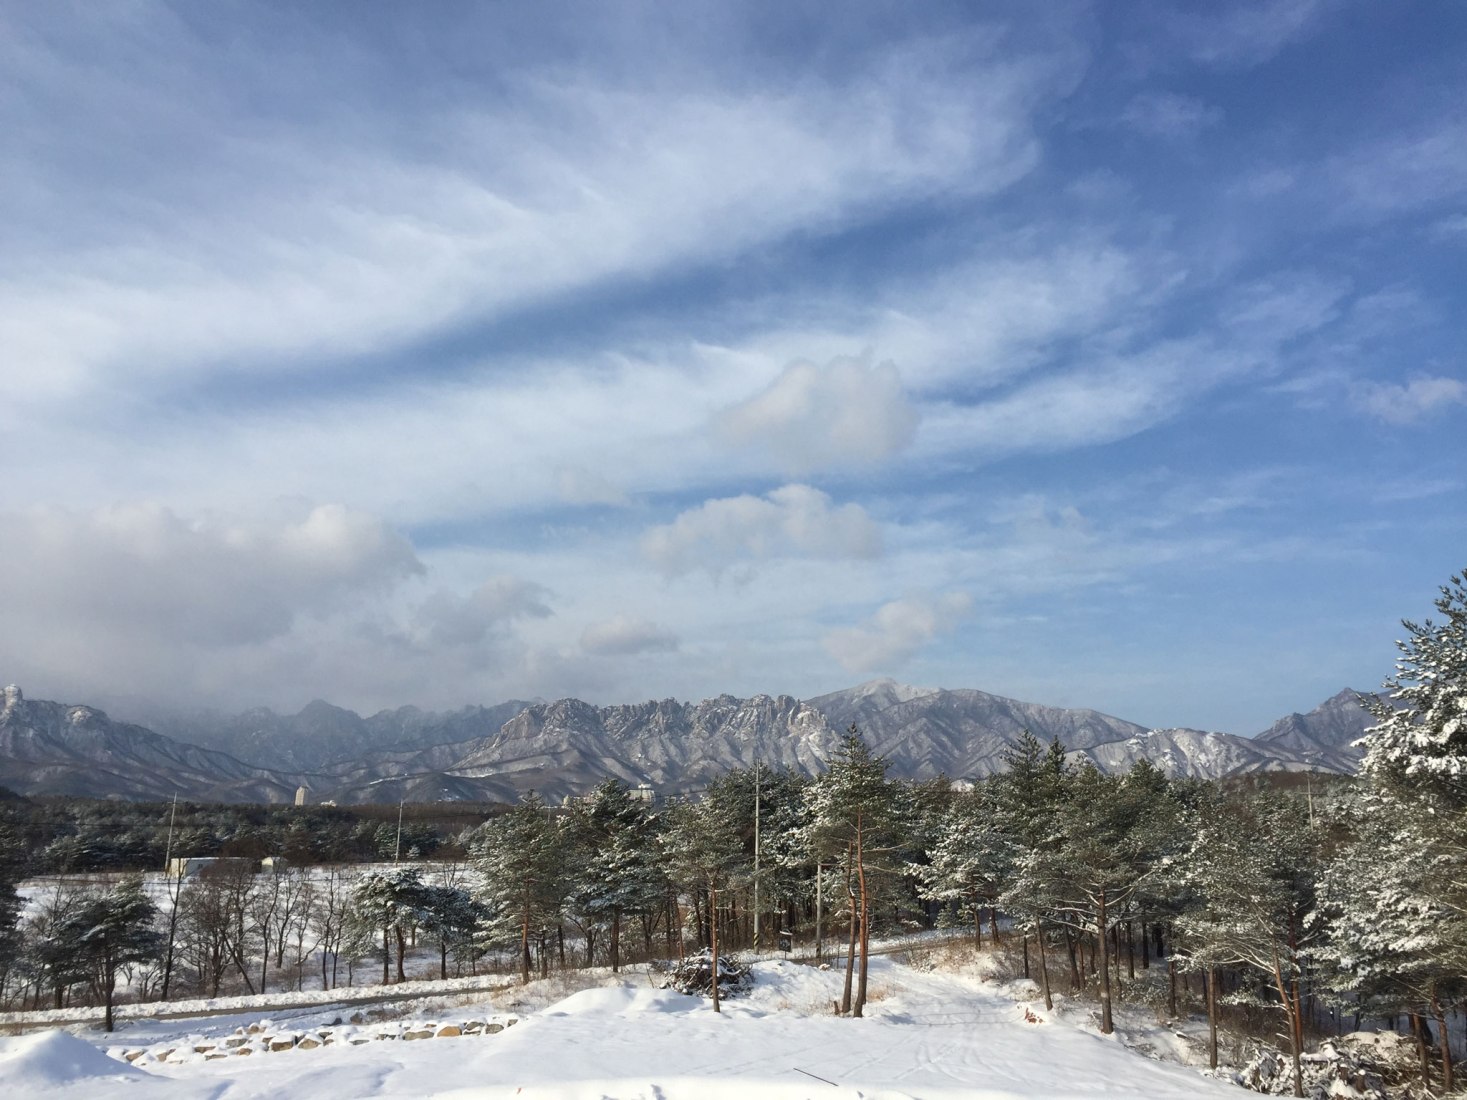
column 565, row 747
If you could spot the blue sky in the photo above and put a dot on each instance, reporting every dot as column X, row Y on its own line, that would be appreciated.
column 1109, row 355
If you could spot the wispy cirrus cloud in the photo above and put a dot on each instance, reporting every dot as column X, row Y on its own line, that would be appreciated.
column 1406, row 403
column 362, row 246
column 1169, row 115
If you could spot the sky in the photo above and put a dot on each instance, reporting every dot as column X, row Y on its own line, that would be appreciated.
column 1104, row 355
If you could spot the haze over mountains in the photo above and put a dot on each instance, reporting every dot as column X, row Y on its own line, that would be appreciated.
column 565, row 747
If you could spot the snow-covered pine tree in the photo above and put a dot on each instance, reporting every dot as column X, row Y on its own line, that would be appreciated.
column 612, row 862
column 10, row 901
column 970, row 859
column 1416, row 768
column 1096, row 860
column 1252, row 871
column 1419, row 745
column 520, row 857
column 112, row 930
column 853, row 812
column 451, row 916
column 390, row 901
column 704, row 854
column 1388, row 938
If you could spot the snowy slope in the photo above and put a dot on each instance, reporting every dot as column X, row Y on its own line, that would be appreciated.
column 928, row 1035
column 64, row 749
column 1326, row 733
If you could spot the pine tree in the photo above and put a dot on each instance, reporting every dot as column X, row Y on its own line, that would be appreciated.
column 1416, row 769
column 110, row 931
column 853, row 811
column 1092, row 865
column 521, row 860
column 970, row 858
column 390, row 902
column 704, row 853
column 612, row 862
column 10, row 901
column 1419, row 744
column 1252, row 870
column 1388, row 937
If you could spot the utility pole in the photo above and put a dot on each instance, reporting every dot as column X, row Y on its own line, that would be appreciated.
column 756, row 856
column 819, row 913
column 397, row 852
column 168, row 850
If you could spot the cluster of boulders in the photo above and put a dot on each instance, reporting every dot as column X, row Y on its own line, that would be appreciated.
column 265, row 1038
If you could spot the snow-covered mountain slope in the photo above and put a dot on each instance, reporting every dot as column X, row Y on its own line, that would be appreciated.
column 568, row 746
column 56, row 748
column 562, row 747
column 959, row 733
column 1192, row 754
column 323, row 737
column 1325, row 734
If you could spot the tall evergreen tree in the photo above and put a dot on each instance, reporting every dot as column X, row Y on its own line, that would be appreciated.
column 612, row 860
column 1419, row 744
column 853, row 809
column 703, row 851
column 1253, row 870
column 1098, row 859
column 521, row 861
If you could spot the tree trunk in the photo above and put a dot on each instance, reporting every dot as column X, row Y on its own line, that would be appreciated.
column 845, row 1000
column 1075, row 982
column 1289, row 1009
column 1421, row 1049
column 1145, row 949
column 1106, row 1024
column 1043, row 964
column 1130, row 952
column 109, row 983
column 1444, row 1038
column 713, row 939
column 1211, row 979
column 386, row 954
column 865, row 920
column 525, row 946
column 616, row 941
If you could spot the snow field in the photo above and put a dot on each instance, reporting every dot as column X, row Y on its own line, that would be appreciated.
column 929, row 1033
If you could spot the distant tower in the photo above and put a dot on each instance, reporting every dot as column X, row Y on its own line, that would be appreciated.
column 300, row 796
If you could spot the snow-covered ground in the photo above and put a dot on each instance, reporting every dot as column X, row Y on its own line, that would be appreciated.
column 928, row 1033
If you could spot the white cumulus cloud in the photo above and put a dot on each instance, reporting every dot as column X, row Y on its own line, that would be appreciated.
column 817, row 417
column 893, row 635
column 792, row 521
